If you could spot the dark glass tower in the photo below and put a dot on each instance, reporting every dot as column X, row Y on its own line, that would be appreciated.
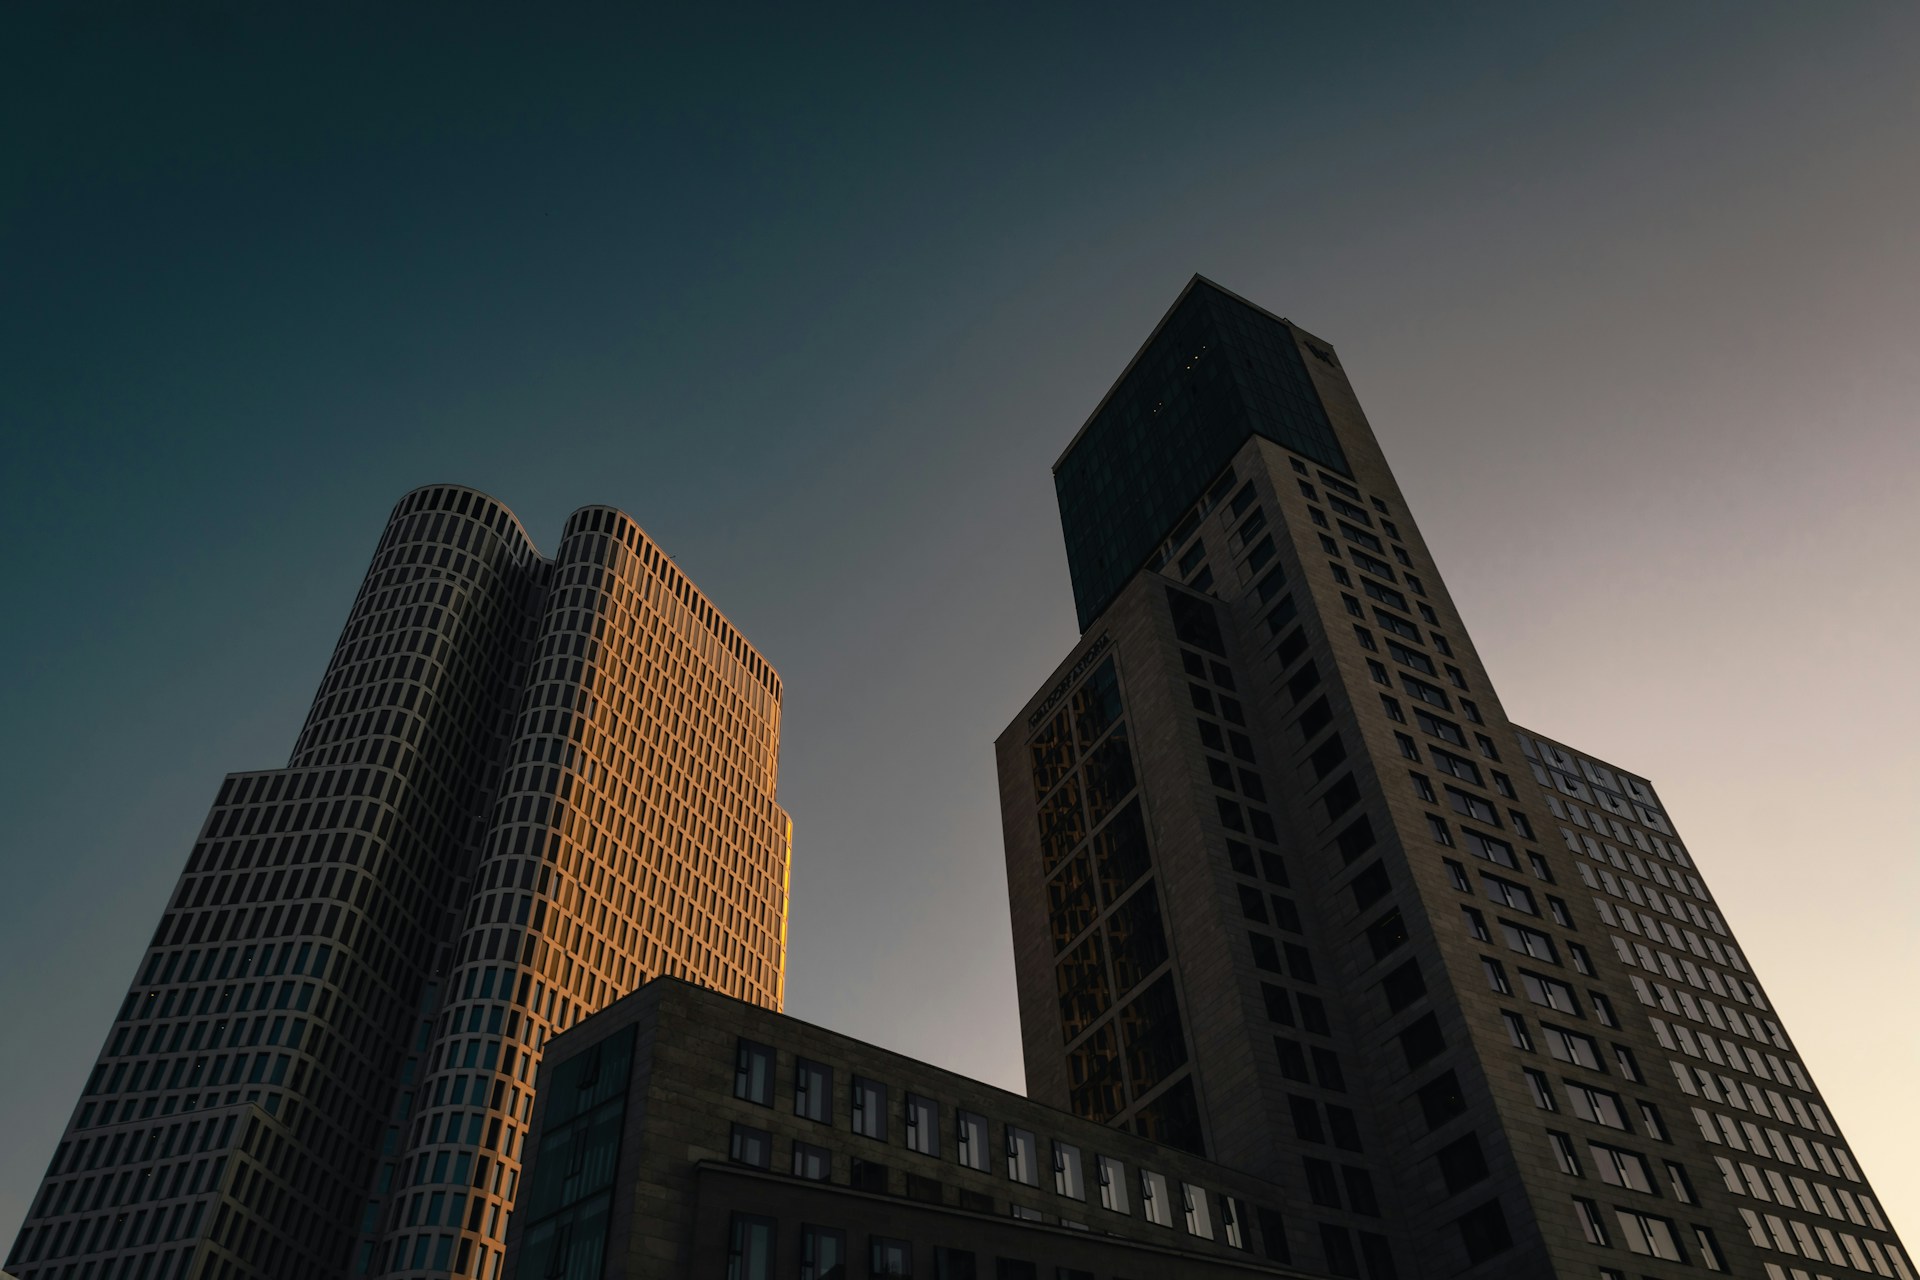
column 525, row 786
column 1289, row 888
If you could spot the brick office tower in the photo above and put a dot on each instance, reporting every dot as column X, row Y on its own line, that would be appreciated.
column 525, row 786
column 1291, row 891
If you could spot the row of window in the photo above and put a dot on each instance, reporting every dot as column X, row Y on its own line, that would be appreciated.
column 870, row 1115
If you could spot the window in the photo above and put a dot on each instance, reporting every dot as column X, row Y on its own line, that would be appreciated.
column 1541, row 1091
column 753, row 1073
column 923, row 1125
column 1591, row 1225
column 750, row 1248
column 1410, row 657
column 1193, row 1200
column 1457, row 876
column 811, row 1162
column 813, row 1091
column 1558, row 910
column 1460, row 767
column 1650, row 1117
column 1485, row 846
column 1529, row 942
column 1113, row 1184
column 823, row 1253
column 1472, row 806
column 1583, row 962
column 1516, row 897
column 887, row 1257
column 1620, row 1168
column 1563, row 1154
column 1570, row 1046
column 1629, row 1067
column 1232, row 1215
column 1603, row 1009
column 1408, row 747
column 1550, row 992
column 1496, row 976
column 751, row 1146
column 1023, row 1156
column 1597, row 1105
column 1421, row 787
column 1437, row 827
column 1392, row 707
column 1680, row 1184
column 867, row 1175
column 1477, row 924
column 1068, row 1178
column 869, row 1108
column 1517, row 1030
column 970, row 1136
column 1710, row 1255
column 953, row 1264
column 1649, row 1236
column 1154, row 1199
column 1432, row 694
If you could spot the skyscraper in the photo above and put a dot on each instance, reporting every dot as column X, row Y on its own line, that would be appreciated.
column 1291, row 891
column 525, row 786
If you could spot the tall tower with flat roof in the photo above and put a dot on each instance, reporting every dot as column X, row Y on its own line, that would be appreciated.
column 1291, row 891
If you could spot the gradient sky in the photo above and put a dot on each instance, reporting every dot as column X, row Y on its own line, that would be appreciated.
column 1630, row 293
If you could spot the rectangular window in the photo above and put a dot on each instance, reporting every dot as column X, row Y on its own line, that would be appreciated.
column 753, row 1073
column 1597, row 1105
column 812, row 1163
column 1516, row 897
column 1591, row 1225
column 1492, row 850
column 1472, row 806
column 749, row 1248
column 1569, row 1046
column 1551, row 993
column 953, row 1264
column 1538, row 1087
column 869, row 1100
column 1193, row 1200
column 1530, row 942
column 823, row 1253
column 1113, row 1184
column 813, row 1091
column 1563, row 1154
column 1517, row 1030
column 970, row 1136
column 1432, row 694
column 1023, row 1156
column 1410, row 657
column 751, row 1146
column 923, row 1125
column 1649, row 1236
column 1068, row 1177
column 1620, row 1168
column 1496, row 976
column 887, row 1257
column 1154, row 1198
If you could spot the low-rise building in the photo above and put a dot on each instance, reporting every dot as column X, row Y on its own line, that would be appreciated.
column 681, row 1132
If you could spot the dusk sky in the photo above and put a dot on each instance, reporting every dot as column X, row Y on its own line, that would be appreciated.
column 1631, row 294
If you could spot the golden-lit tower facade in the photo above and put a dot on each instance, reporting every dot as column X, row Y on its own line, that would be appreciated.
column 525, row 786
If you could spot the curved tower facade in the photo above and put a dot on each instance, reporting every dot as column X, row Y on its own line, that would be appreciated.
column 525, row 786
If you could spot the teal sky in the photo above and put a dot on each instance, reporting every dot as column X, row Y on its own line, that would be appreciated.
column 1630, row 292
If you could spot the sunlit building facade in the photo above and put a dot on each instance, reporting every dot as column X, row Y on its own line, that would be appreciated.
column 1291, row 892
column 526, row 785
